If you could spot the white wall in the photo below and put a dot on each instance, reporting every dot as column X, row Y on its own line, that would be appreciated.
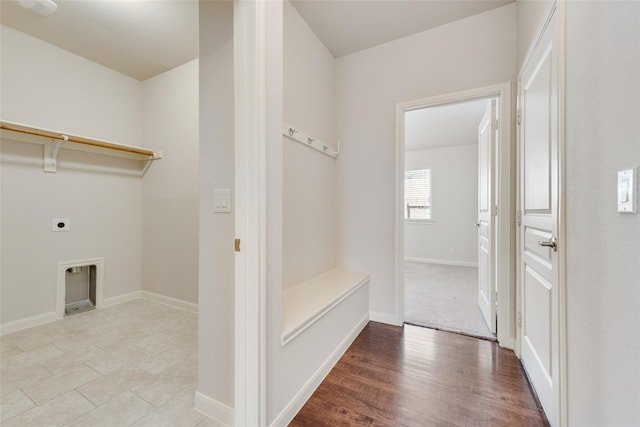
column 470, row 53
column 216, row 256
column 451, row 237
column 309, row 176
column 603, row 247
column 290, row 368
column 170, row 196
column 47, row 87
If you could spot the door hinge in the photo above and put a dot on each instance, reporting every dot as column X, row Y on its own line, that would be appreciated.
column 519, row 319
column 519, row 116
column 494, row 210
column 237, row 245
column 519, row 217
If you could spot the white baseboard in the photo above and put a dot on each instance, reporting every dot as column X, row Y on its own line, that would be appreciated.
column 173, row 302
column 389, row 319
column 442, row 261
column 294, row 406
column 119, row 299
column 29, row 322
column 220, row 412
column 41, row 319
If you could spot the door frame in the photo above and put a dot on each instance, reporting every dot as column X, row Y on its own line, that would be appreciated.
column 559, row 10
column 250, row 213
column 506, row 335
column 487, row 301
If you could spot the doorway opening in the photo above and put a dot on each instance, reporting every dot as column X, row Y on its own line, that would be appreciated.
column 453, row 255
column 445, row 175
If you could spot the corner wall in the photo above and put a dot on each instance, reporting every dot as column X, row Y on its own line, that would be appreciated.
column 295, row 369
column 603, row 246
column 216, row 278
column 44, row 86
column 451, row 236
column 466, row 54
column 309, row 234
column 170, row 196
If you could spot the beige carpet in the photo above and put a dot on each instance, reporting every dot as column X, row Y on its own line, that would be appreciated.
column 444, row 297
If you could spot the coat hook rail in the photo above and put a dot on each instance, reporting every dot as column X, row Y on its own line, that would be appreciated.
column 309, row 141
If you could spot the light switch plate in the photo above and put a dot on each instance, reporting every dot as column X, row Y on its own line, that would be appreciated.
column 628, row 191
column 222, row 200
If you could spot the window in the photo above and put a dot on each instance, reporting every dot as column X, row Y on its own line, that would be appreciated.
column 417, row 194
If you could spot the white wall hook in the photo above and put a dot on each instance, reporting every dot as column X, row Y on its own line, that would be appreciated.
column 310, row 141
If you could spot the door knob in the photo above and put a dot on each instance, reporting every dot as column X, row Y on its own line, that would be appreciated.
column 551, row 243
column 477, row 224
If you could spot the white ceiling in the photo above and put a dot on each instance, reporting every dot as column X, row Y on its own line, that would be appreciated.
column 143, row 38
column 348, row 26
column 139, row 38
column 444, row 125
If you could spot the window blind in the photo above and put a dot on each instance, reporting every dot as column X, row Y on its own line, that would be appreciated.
column 417, row 194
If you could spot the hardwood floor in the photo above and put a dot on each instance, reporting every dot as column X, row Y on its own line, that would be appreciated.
column 413, row 376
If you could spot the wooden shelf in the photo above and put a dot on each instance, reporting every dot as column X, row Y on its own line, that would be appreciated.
column 53, row 141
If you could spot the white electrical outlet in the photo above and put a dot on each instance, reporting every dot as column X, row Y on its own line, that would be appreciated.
column 60, row 224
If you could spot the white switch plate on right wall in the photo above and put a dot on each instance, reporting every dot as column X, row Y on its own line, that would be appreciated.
column 628, row 191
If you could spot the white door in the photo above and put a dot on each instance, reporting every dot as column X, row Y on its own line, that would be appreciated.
column 486, row 215
column 539, row 132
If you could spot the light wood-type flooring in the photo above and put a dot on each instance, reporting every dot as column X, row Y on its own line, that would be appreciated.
column 413, row 376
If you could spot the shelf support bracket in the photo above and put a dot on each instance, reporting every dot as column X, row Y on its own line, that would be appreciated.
column 157, row 155
column 51, row 150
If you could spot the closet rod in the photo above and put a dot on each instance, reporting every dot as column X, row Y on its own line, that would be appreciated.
column 76, row 139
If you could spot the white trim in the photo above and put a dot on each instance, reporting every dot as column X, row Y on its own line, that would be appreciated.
column 419, row 221
column 41, row 319
column 301, row 397
column 562, row 220
column 441, row 261
column 61, row 279
column 250, row 218
column 212, row 408
column 29, row 322
column 307, row 302
column 388, row 319
column 119, row 299
column 173, row 302
column 507, row 329
column 506, row 290
column 559, row 10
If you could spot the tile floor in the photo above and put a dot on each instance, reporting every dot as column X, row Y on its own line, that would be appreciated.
column 133, row 364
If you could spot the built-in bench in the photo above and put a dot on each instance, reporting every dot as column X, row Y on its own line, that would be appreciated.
column 306, row 302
